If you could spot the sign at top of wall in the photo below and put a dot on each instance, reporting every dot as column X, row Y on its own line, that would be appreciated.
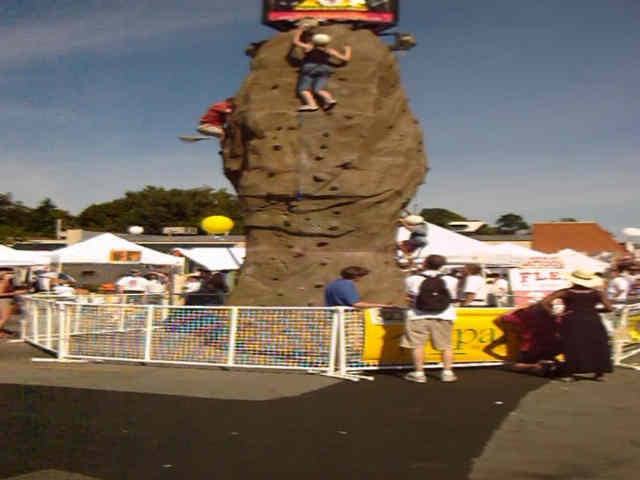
column 282, row 14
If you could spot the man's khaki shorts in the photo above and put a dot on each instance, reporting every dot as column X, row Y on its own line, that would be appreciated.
column 418, row 331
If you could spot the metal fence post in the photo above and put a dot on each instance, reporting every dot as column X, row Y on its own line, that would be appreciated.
column 620, row 335
column 62, row 332
column 123, row 316
column 233, row 331
column 24, row 320
column 333, row 349
column 342, row 343
column 49, row 339
column 147, row 334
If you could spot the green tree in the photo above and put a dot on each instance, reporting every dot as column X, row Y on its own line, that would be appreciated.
column 511, row 222
column 441, row 216
column 14, row 218
column 567, row 219
column 42, row 220
column 154, row 208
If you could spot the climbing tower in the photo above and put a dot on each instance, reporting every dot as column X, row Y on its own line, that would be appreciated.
column 323, row 190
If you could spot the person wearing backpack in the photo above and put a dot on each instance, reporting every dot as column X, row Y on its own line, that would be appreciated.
column 430, row 318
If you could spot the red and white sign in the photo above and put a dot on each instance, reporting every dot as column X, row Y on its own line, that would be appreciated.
column 530, row 285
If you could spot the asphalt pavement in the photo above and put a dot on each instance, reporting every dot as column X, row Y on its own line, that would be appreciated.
column 105, row 421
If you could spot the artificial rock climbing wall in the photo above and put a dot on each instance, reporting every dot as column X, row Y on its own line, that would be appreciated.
column 322, row 189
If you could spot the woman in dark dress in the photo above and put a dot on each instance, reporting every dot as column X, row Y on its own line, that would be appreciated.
column 584, row 338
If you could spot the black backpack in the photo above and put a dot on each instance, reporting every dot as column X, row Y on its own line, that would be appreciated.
column 433, row 295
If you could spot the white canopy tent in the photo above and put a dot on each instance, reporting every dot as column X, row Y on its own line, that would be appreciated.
column 99, row 250
column 573, row 260
column 461, row 249
column 22, row 258
column 215, row 258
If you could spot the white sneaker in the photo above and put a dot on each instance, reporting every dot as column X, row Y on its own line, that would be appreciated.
column 418, row 377
column 448, row 377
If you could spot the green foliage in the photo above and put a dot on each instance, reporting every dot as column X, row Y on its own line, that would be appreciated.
column 567, row 219
column 441, row 216
column 511, row 222
column 18, row 221
column 154, row 208
column 488, row 230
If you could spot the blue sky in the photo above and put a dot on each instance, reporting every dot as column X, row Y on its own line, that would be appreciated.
column 530, row 107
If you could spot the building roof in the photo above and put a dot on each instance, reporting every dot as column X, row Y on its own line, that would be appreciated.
column 586, row 237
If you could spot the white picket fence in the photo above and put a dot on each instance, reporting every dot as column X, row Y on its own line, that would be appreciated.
column 329, row 341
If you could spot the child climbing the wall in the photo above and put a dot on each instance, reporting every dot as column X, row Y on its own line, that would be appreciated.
column 315, row 70
column 213, row 121
column 412, row 236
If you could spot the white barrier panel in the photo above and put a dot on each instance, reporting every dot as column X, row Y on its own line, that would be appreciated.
column 332, row 341
column 626, row 336
column 277, row 338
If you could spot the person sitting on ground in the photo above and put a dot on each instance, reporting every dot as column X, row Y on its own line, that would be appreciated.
column 434, row 325
column 411, row 236
column 343, row 292
column 315, row 70
column 214, row 121
column 538, row 334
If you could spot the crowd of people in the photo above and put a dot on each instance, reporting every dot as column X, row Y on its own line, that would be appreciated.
column 576, row 331
column 568, row 322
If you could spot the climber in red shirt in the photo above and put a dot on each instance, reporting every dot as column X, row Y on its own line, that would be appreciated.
column 213, row 121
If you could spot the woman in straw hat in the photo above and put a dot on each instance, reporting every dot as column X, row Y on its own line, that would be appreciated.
column 315, row 71
column 584, row 338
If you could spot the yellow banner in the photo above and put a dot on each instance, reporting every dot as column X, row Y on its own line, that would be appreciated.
column 332, row 4
column 474, row 339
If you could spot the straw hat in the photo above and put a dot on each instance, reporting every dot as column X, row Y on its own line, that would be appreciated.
column 320, row 39
column 584, row 278
column 413, row 220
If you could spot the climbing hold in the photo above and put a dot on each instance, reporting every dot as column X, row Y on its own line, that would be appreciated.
column 277, row 148
column 322, row 244
column 320, row 178
column 319, row 157
column 324, row 146
column 346, row 165
column 334, row 188
column 326, row 134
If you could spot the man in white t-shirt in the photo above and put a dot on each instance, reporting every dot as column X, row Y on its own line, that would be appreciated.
column 133, row 284
column 421, row 327
column 618, row 286
column 475, row 288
